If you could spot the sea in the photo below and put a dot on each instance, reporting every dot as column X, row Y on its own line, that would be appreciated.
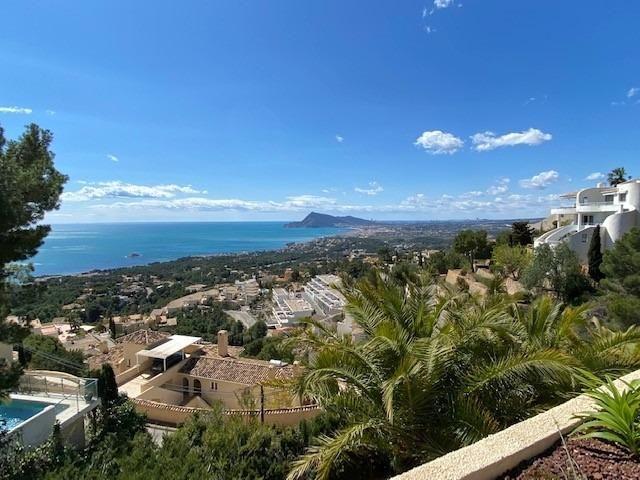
column 77, row 248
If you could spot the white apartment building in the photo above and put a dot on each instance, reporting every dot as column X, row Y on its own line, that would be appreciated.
column 289, row 307
column 322, row 291
column 615, row 209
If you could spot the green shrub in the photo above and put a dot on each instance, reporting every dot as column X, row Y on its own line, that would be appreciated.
column 617, row 418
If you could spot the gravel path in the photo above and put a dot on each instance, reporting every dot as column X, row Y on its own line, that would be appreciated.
column 590, row 459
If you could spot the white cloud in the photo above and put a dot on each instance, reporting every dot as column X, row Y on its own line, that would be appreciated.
column 112, row 157
column 489, row 141
column 442, row 3
column 595, row 176
column 306, row 201
column 117, row 189
column 50, row 112
column 501, row 186
column 292, row 203
column 438, row 142
column 472, row 193
column 507, row 206
column 339, row 138
column 19, row 110
column 633, row 91
column 417, row 200
column 541, row 180
column 373, row 189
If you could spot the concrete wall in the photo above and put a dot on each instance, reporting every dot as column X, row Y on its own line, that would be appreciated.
column 579, row 242
column 162, row 395
column 133, row 372
column 231, row 395
column 499, row 453
column 73, row 433
column 176, row 415
column 617, row 225
column 36, row 429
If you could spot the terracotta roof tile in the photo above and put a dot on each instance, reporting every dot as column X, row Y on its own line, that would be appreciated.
column 241, row 371
column 143, row 337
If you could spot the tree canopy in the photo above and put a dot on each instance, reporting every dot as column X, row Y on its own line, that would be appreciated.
column 617, row 176
column 556, row 270
column 472, row 243
column 30, row 186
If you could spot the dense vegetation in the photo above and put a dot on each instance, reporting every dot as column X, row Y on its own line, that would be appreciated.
column 440, row 371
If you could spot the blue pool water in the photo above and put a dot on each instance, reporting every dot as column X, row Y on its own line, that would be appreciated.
column 14, row 412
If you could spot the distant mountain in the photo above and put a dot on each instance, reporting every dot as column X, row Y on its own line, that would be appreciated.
column 317, row 220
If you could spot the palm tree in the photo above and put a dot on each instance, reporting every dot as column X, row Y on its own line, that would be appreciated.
column 616, row 176
column 440, row 369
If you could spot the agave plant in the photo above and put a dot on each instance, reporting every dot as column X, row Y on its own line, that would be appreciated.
column 617, row 416
column 439, row 369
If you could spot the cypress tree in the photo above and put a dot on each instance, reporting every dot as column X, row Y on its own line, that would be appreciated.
column 595, row 256
column 107, row 386
column 112, row 328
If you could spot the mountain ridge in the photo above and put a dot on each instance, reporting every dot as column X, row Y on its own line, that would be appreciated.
column 319, row 220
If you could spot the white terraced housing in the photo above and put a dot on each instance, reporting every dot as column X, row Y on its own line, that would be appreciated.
column 289, row 307
column 615, row 209
column 322, row 291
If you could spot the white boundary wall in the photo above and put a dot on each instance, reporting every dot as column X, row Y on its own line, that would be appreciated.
column 498, row 453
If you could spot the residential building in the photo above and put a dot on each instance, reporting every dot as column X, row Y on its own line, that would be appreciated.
column 180, row 370
column 289, row 307
column 615, row 209
column 322, row 292
column 129, row 323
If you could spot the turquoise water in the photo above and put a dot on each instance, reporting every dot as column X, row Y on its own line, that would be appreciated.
column 83, row 247
column 15, row 412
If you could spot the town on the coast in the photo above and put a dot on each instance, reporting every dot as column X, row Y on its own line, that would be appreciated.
column 326, row 240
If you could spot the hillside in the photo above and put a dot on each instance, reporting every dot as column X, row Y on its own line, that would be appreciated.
column 318, row 220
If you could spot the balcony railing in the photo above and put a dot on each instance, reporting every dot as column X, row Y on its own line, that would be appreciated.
column 595, row 204
column 58, row 385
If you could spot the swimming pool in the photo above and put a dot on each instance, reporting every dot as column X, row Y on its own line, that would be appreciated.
column 14, row 412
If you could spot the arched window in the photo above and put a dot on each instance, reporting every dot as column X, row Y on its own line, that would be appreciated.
column 185, row 386
column 197, row 387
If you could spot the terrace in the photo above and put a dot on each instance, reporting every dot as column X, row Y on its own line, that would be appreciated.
column 44, row 398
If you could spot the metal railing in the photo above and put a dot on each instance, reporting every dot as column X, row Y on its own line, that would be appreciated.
column 58, row 385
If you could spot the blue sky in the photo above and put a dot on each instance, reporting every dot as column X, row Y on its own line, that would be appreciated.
column 265, row 110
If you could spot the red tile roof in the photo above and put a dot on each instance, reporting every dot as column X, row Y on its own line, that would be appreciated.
column 241, row 371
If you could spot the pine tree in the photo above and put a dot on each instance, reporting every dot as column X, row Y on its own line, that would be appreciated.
column 595, row 256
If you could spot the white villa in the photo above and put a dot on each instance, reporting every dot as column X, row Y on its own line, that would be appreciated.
column 615, row 209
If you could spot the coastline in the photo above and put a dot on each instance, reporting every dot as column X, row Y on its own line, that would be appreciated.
column 139, row 260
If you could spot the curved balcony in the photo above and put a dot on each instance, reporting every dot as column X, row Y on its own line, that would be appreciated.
column 587, row 207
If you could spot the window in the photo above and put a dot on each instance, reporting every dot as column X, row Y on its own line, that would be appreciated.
column 214, row 386
column 608, row 199
column 622, row 197
column 584, row 238
column 587, row 219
